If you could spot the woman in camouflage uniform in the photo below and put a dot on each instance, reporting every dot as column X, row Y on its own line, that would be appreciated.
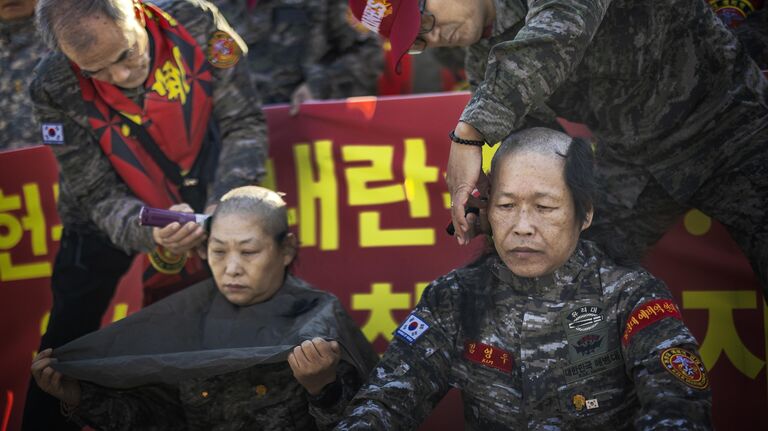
column 546, row 331
column 255, row 348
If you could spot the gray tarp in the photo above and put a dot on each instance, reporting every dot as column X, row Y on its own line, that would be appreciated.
column 198, row 333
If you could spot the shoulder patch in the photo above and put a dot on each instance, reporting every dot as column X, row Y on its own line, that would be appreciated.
column 53, row 133
column 686, row 367
column 223, row 50
column 647, row 313
column 412, row 329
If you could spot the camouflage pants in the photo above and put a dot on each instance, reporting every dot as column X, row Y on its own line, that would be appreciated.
column 737, row 198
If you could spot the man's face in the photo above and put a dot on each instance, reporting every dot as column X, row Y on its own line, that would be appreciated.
column 457, row 22
column 118, row 55
column 247, row 264
column 532, row 215
column 16, row 9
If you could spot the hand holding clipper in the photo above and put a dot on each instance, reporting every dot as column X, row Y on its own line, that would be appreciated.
column 177, row 230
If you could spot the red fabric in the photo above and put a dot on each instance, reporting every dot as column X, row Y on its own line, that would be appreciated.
column 488, row 356
column 648, row 313
column 177, row 124
column 392, row 83
column 175, row 117
column 397, row 20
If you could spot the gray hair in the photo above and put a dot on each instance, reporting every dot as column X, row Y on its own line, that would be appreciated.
column 63, row 17
column 537, row 139
column 577, row 155
column 264, row 204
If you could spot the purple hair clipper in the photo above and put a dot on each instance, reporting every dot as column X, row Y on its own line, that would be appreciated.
column 157, row 217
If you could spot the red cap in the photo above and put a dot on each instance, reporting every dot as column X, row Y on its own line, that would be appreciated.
column 397, row 20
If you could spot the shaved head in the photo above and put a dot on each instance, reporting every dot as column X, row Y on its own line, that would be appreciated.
column 576, row 156
column 538, row 139
column 264, row 204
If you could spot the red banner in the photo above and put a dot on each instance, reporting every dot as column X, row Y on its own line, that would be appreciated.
column 364, row 183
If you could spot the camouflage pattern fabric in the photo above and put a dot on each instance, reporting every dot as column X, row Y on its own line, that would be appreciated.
column 753, row 34
column 265, row 397
column 20, row 50
column 295, row 41
column 93, row 198
column 671, row 95
column 218, row 366
column 547, row 353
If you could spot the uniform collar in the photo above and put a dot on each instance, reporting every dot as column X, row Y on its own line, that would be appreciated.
column 570, row 273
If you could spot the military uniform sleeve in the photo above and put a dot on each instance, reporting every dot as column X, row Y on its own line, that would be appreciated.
column 148, row 407
column 354, row 59
column 525, row 71
column 86, row 176
column 412, row 376
column 661, row 357
column 243, row 128
column 328, row 408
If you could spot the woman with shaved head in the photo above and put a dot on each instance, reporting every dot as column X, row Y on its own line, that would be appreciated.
column 545, row 331
column 254, row 348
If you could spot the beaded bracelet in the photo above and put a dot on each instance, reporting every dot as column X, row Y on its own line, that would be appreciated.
column 456, row 139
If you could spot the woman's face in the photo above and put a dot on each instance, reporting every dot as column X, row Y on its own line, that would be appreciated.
column 532, row 214
column 247, row 264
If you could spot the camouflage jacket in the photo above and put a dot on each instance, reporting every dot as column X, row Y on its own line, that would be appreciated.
column 20, row 50
column 265, row 397
column 592, row 346
column 93, row 197
column 665, row 87
column 295, row 41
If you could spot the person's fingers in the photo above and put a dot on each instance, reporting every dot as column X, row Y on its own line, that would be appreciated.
column 46, row 376
column 458, row 202
column 164, row 233
column 43, row 354
column 182, row 233
column 295, row 366
column 483, row 185
column 324, row 348
column 56, row 380
column 192, row 239
column 335, row 348
column 40, row 364
column 182, row 208
column 309, row 349
column 471, row 221
column 300, row 357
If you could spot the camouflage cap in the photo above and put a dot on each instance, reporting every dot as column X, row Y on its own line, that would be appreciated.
column 397, row 20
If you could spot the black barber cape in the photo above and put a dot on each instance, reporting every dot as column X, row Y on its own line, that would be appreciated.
column 197, row 333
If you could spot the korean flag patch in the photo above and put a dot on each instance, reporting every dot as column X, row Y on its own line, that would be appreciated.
column 53, row 133
column 412, row 329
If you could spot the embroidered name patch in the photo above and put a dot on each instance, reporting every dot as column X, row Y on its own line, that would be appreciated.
column 53, row 133
column 489, row 356
column 223, row 50
column 686, row 367
column 412, row 329
column 647, row 313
